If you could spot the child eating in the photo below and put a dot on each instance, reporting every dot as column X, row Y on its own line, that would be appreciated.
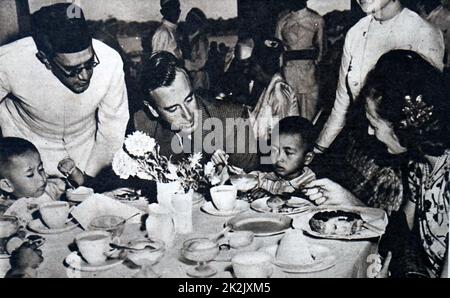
column 291, row 153
column 23, row 179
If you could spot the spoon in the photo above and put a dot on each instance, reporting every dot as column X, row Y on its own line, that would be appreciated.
column 217, row 236
column 125, row 220
column 116, row 246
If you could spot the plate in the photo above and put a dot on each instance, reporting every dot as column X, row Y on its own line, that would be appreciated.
column 373, row 216
column 324, row 259
column 301, row 205
column 261, row 224
column 39, row 227
column 75, row 261
column 240, row 207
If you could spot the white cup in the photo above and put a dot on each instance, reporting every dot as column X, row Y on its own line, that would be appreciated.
column 93, row 246
column 256, row 264
column 224, row 197
column 55, row 214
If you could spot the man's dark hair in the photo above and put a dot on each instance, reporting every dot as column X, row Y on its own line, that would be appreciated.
column 12, row 147
column 296, row 125
column 159, row 71
column 60, row 28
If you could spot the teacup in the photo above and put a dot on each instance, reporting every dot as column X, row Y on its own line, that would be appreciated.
column 55, row 214
column 240, row 239
column 93, row 246
column 255, row 264
column 224, row 197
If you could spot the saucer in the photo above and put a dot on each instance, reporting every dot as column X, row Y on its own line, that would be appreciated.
column 75, row 261
column 324, row 259
column 240, row 207
column 39, row 227
column 294, row 205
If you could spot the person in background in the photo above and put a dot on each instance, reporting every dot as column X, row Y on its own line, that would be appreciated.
column 277, row 100
column 387, row 26
column 196, row 48
column 64, row 91
column 302, row 32
column 166, row 37
column 439, row 15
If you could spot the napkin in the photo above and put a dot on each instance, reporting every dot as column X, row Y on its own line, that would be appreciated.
column 294, row 249
column 101, row 205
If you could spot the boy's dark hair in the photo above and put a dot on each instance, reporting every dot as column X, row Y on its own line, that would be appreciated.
column 11, row 147
column 298, row 125
column 159, row 71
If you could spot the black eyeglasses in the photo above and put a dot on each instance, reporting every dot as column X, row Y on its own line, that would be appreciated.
column 77, row 70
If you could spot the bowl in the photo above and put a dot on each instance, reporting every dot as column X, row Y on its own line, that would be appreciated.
column 200, row 250
column 149, row 252
column 9, row 225
column 244, row 182
column 109, row 223
column 79, row 195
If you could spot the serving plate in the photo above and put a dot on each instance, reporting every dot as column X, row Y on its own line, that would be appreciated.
column 296, row 205
column 261, row 224
column 373, row 216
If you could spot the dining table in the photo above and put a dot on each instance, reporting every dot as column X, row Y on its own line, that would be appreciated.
column 353, row 257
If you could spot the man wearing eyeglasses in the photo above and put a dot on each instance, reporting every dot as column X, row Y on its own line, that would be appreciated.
column 64, row 91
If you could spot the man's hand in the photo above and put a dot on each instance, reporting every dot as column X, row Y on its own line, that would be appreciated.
column 66, row 166
column 69, row 169
column 220, row 158
column 259, row 193
column 384, row 272
column 325, row 191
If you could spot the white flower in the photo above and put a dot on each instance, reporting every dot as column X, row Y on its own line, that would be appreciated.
column 173, row 172
column 195, row 159
column 210, row 169
column 145, row 176
column 138, row 144
column 123, row 165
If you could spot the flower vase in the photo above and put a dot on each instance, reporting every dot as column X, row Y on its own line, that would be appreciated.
column 165, row 191
column 182, row 208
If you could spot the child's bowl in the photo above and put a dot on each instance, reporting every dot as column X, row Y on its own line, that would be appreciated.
column 80, row 194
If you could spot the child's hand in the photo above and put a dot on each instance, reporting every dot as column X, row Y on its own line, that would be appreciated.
column 259, row 193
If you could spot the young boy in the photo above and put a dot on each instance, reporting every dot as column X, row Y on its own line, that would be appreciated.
column 291, row 153
column 23, row 179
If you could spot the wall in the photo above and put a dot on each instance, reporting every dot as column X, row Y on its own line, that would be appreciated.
column 8, row 20
column 144, row 10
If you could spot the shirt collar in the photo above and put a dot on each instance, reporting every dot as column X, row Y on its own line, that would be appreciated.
column 170, row 25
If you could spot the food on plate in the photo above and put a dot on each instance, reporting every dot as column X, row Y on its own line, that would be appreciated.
column 294, row 249
column 337, row 222
column 276, row 202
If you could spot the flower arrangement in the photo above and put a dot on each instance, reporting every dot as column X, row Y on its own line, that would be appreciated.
column 140, row 158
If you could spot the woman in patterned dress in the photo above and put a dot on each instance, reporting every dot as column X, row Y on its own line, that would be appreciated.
column 407, row 107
